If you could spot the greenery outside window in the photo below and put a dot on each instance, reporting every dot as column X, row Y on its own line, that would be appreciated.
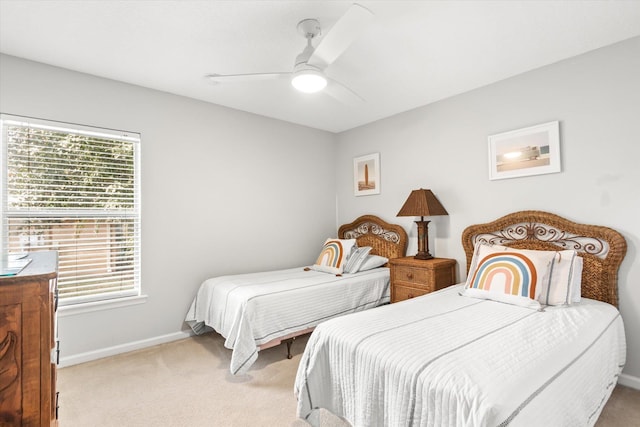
column 76, row 190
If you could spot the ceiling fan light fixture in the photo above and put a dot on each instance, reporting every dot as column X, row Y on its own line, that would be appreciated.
column 309, row 80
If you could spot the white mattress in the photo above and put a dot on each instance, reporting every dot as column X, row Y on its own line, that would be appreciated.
column 448, row 360
column 252, row 309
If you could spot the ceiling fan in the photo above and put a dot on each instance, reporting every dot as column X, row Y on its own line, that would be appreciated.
column 308, row 72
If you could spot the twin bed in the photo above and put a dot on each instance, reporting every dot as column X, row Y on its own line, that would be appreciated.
column 447, row 359
column 455, row 357
column 260, row 310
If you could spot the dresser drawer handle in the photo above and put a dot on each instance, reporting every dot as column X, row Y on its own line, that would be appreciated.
column 409, row 275
column 410, row 296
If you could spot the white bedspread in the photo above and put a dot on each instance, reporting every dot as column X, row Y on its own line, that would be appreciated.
column 252, row 309
column 448, row 360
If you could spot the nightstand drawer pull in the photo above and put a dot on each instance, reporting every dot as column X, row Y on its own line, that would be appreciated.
column 409, row 276
column 409, row 296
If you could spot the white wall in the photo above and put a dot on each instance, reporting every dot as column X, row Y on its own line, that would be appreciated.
column 223, row 191
column 443, row 146
column 221, row 186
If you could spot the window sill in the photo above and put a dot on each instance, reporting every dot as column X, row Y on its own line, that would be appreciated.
column 88, row 307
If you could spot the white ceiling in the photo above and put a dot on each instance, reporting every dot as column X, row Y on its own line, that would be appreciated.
column 414, row 53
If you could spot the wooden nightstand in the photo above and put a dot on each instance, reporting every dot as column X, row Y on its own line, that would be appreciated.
column 412, row 277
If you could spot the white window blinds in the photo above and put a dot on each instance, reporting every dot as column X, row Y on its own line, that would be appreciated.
column 75, row 190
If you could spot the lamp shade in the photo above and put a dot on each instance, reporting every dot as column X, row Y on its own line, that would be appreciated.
column 422, row 203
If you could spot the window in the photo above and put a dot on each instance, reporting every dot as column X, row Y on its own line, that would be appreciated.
column 73, row 189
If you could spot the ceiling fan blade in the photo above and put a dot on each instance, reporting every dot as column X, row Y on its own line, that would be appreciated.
column 342, row 93
column 231, row 78
column 341, row 35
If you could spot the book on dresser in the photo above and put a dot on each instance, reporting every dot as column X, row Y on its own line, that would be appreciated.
column 13, row 264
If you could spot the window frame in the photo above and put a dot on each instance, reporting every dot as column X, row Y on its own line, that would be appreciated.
column 133, row 213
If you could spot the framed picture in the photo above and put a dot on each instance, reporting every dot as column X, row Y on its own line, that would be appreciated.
column 529, row 151
column 366, row 175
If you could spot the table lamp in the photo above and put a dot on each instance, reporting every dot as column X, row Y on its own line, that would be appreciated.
column 422, row 203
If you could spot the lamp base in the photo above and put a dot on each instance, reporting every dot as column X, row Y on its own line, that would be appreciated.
column 423, row 240
column 423, row 255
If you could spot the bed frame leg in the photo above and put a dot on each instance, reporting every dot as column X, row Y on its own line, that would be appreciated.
column 289, row 342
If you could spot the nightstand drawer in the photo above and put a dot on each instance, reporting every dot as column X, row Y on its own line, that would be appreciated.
column 419, row 276
column 411, row 277
column 404, row 292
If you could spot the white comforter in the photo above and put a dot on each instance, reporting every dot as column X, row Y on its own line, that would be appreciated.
column 448, row 360
column 252, row 309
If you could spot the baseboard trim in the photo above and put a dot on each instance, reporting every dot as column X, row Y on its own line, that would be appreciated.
column 122, row 348
column 629, row 381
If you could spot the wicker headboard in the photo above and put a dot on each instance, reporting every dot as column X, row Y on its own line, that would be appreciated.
column 601, row 248
column 387, row 240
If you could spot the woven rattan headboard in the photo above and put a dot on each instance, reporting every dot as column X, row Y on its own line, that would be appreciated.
column 387, row 240
column 601, row 248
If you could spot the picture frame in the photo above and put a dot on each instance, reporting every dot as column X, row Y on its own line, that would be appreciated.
column 366, row 175
column 533, row 150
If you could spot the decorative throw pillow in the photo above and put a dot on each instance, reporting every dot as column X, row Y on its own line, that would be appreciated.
column 513, row 276
column 333, row 256
column 565, row 277
column 373, row 261
column 563, row 284
column 356, row 259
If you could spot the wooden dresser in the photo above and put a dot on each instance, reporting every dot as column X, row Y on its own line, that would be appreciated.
column 27, row 334
column 412, row 277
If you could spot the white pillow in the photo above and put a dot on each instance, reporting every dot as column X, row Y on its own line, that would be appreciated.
column 576, row 280
column 333, row 256
column 373, row 261
column 513, row 276
column 563, row 286
column 356, row 259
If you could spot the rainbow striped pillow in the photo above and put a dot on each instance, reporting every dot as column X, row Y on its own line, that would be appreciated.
column 333, row 256
column 513, row 276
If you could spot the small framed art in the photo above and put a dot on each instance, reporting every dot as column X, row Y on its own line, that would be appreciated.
column 366, row 174
column 533, row 150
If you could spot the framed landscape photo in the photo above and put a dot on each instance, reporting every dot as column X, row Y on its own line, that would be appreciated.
column 533, row 150
column 366, row 175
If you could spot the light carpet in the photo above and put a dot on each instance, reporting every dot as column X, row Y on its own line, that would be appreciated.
column 187, row 383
